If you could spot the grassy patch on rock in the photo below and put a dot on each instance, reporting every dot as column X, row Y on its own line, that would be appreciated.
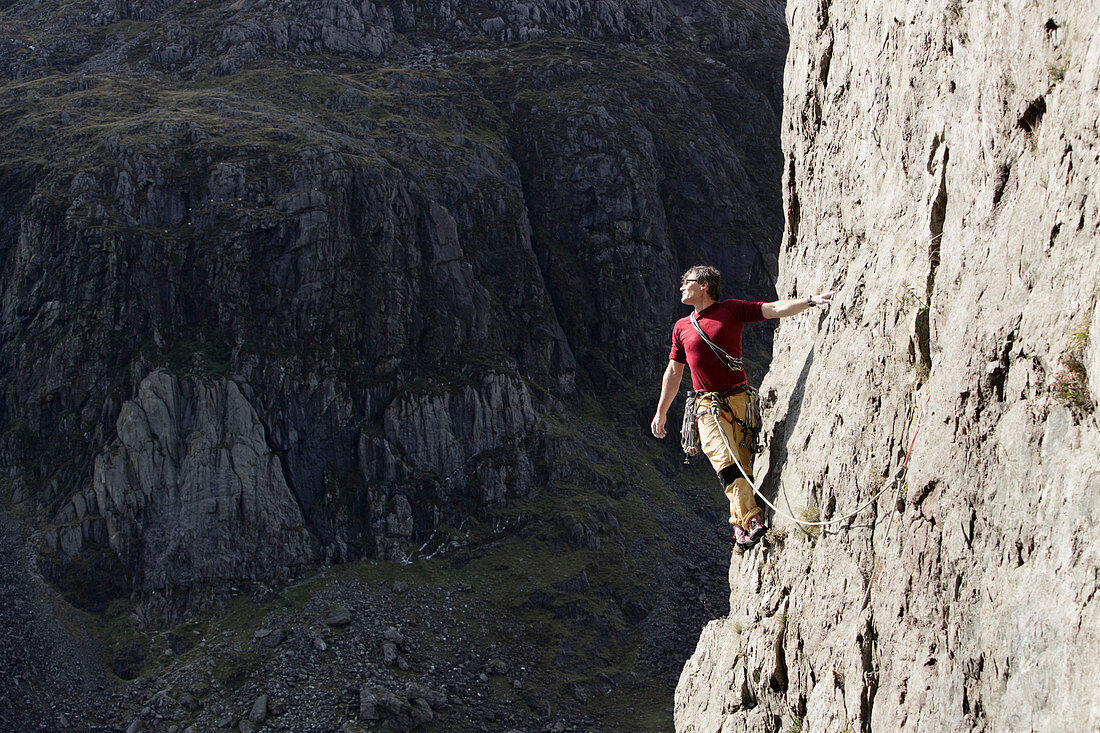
column 1071, row 380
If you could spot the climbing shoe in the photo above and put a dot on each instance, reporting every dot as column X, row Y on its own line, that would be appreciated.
column 757, row 528
column 741, row 539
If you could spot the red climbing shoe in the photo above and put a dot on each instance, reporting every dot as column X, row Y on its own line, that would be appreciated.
column 757, row 528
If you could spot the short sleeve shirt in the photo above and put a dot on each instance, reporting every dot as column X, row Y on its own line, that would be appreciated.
column 721, row 322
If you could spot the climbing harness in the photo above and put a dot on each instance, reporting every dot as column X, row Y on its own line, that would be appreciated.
column 750, row 426
column 690, row 440
column 896, row 481
column 753, row 422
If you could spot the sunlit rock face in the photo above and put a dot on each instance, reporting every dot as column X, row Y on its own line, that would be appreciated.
column 940, row 175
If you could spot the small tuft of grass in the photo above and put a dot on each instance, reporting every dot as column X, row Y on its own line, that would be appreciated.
column 775, row 536
column 910, row 298
column 1058, row 70
column 810, row 513
column 1071, row 380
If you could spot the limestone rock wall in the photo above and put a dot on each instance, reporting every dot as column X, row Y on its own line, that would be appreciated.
column 941, row 168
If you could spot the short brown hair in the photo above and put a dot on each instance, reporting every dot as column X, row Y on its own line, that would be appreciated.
column 708, row 276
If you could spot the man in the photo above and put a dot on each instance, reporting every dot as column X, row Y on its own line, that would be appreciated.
column 716, row 380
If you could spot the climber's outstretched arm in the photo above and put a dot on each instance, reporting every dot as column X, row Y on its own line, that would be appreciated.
column 794, row 306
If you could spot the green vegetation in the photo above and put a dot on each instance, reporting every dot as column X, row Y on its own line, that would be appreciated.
column 810, row 513
column 1057, row 70
column 1071, row 383
column 274, row 110
column 557, row 572
column 646, row 709
column 129, row 652
column 192, row 358
column 519, row 581
column 910, row 299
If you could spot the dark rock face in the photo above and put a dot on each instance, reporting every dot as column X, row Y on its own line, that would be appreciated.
column 302, row 282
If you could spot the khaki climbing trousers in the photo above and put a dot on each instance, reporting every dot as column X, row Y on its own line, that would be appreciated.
column 739, row 492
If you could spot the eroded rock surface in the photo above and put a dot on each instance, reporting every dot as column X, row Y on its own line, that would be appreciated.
column 941, row 175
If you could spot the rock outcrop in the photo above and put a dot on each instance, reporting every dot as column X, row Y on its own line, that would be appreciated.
column 290, row 284
column 191, row 489
column 941, row 167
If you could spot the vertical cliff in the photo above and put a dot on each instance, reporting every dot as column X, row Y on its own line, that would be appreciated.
column 940, row 174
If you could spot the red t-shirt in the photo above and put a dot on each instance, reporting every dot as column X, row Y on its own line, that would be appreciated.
column 721, row 322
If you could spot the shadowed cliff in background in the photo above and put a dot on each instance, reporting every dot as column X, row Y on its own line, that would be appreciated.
column 284, row 284
column 290, row 282
column 941, row 173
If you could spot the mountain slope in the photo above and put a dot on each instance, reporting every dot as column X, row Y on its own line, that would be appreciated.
column 291, row 285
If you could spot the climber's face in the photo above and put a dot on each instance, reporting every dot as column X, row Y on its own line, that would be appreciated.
column 691, row 289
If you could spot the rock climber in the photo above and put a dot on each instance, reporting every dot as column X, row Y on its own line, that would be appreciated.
column 715, row 378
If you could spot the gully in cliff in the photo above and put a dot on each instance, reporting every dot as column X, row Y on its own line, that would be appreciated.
column 709, row 342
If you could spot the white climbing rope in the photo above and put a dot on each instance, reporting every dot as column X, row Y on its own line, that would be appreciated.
column 715, row 411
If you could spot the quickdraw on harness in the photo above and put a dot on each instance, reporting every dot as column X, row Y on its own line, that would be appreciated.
column 689, row 430
column 720, row 408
